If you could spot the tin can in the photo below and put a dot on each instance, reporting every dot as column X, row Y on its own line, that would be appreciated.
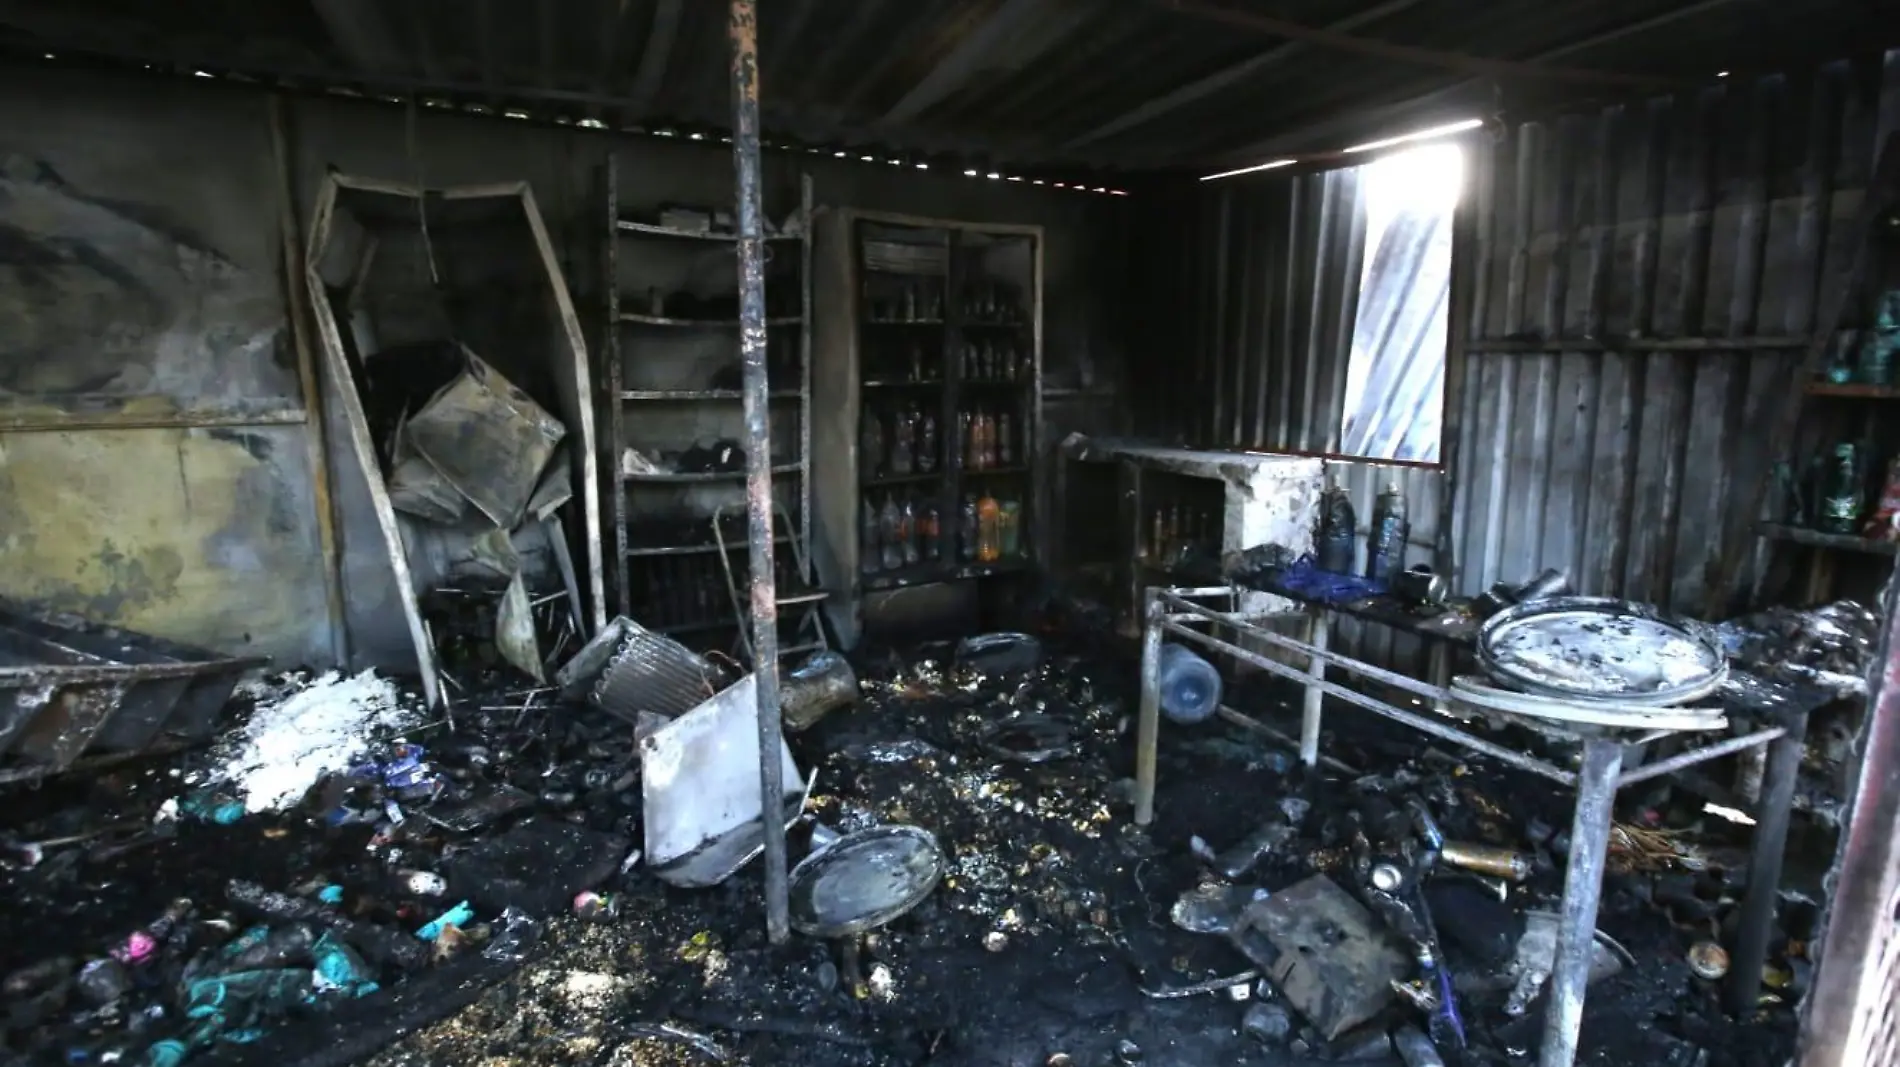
column 1708, row 960
column 1486, row 859
column 596, row 907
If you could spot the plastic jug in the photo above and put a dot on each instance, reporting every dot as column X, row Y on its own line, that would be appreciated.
column 1190, row 686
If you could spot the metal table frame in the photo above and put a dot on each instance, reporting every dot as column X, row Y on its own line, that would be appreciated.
column 1596, row 781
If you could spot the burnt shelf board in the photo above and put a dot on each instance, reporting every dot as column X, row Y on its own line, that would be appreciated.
column 656, row 230
column 701, row 394
column 708, row 476
column 1864, row 392
column 903, row 479
column 1839, row 542
column 640, row 551
column 930, row 573
column 733, row 324
column 904, row 385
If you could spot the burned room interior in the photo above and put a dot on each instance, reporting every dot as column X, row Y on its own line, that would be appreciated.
column 976, row 532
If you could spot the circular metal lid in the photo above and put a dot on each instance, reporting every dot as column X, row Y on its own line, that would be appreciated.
column 864, row 880
column 1595, row 648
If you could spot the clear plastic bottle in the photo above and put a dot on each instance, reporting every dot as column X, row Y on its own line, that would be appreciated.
column 871, row 443
column 988, row 537
column 1005, row 433
column 926, row 459
column 890, row 533
column 968, row 529
column 903, row 440
column 1190, row 686
column 910, row 533
column 1010, row 526
column 930, row 532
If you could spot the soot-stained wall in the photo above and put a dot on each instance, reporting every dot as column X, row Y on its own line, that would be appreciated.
column 141, row 297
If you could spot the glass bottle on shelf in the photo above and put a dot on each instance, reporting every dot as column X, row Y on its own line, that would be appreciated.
column 968, row 528
column 910, row 302
column 988, row 537
column 1841, row 499
column 972, row 440
column 910, row 532
column 871, row 444
column 930, row 532
column 926, row 459
column 1010, row 527
column 890, row 533
column 916, row 362
column 966, row 360
column 870, row 549
column 989, row 441
column 933, row 301
column 903, row 436
column 1005, row 434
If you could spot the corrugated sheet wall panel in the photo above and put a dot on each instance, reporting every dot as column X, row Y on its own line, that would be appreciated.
column 1719, row 213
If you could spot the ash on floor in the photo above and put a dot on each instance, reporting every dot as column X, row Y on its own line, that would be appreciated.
column 1053, row 923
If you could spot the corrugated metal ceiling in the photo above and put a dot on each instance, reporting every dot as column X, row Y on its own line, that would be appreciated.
column 1119, row 84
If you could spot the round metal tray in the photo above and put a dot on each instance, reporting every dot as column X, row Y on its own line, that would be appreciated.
column 1598, row 648
column 864, row 880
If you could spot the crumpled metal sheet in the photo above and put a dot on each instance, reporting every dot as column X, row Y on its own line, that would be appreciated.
column 488, row 438
column 627, row 669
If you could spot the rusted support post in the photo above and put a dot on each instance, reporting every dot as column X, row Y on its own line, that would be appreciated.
column 743, row 28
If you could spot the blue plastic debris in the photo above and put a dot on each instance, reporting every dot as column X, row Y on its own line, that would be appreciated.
column 331, row 894
column 459, row 915
column 340, row 968
column 211, row 806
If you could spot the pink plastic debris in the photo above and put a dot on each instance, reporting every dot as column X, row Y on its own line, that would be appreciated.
column 138, row 948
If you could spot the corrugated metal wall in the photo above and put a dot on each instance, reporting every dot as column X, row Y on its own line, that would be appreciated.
column 1676, row 248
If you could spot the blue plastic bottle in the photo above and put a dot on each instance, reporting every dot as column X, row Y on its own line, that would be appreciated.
column 1385, row 541
column 1190, row 686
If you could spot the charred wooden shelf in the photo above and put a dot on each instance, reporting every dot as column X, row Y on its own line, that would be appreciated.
column 1864, row 392
column 1839, row 542
column 904, row 322
column 654, row 229
column 705, row 476
column 994, row 472
column 928, row 573
column 701, row 394
column 938, row 384
column 904, row 479
column 641, row 551
column 664, row 320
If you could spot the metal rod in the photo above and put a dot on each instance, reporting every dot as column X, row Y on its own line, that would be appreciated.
column 1248, row 722
column 1701, row 755
column 1378, row 707
column 1148, row 730
column 1313, row 702
column 1764, row 867
column 1422, row 690
column 1583, row 886
column 743, row 29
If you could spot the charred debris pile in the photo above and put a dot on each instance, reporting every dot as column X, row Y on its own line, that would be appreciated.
column 561, row 874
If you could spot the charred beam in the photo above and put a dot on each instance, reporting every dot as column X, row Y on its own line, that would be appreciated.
column 744, row 30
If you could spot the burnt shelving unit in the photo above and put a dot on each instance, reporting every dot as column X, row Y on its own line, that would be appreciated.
column 931, row 474
column 670, row 371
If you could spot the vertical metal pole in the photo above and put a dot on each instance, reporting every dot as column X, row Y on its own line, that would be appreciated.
column 1764, row 868
column 744, row 30
column 1583, row 888
column 1148, row 729
column 1318, row 623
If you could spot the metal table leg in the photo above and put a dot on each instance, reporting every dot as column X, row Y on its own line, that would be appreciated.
column 1317, row 624
column 1439, row 669
column 1764, row 868
column 1148, row 729
column 1583, row 888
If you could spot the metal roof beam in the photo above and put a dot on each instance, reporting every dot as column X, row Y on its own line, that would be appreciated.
column 1405, row 53
column 359, row 31
column 955, row 70
column 1297, row 138
column 1227, row 76
column 652, row 70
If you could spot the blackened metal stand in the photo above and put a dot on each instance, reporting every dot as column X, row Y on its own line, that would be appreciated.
column 1596, row 781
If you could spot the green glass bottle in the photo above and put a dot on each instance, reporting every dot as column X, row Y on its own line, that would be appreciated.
column 1841, row 499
